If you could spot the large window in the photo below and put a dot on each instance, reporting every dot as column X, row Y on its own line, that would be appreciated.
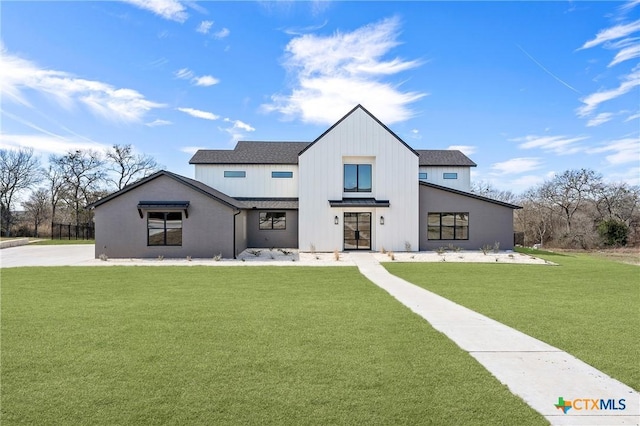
column 357, row 178
column 164, row 228
column 448, row 226
column 273, row 220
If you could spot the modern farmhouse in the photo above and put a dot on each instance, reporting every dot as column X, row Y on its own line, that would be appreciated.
column 356, row 187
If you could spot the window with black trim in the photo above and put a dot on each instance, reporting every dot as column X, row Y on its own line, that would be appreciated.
column 235, row 174
column 448, row 226
column 273, row 220
column 284, row 175
column 164, row 228
column 449, row 176
column 357, row 178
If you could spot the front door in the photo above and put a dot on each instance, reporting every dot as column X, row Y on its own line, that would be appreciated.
column 357, row 231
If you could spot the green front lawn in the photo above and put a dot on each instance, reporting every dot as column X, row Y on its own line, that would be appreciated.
column 231, row 345
column 587, row 306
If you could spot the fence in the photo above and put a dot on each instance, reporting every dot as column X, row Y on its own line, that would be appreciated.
column 67, row 231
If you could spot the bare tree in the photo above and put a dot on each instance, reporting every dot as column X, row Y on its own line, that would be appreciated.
column 486, row 189
column 38, row 208
column 56, row 183
column 128, row 166
column 83, row 173
column 19, row 171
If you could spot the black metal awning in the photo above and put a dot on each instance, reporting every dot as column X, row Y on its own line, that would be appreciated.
column 359, row 202
column 163, row 205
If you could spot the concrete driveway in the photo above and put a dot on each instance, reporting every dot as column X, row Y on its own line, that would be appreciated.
column 55, row 255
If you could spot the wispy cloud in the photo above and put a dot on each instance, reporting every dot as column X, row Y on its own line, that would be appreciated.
column 48, row 144
column 516, row 165
column 465, row 149
column 592, row 101
column 158, row 122
column 240, row 125
column 329, row 79
column 633, row 117
column 599, row 119
column 204, row 27
column 105, row 100
column 205, row 115
column 560, row 145
column 204, row 80
column 625, row 150
column 223, row 33
column 237, row 129
column 626, row 54
column 613, row 33
column 171, row 10
column 296, row 31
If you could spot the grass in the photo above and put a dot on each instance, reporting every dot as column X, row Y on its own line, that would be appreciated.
column 49, row 242
column 586, row 306
column 274, row 345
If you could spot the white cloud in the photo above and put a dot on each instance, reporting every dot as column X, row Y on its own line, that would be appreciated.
column 204, row 27
column 101, row 98
column 613, row 33
column 183, row 74
column 237, row 124
column 633, row 117
column 199, row 114
column 332, row 74
column 223, row 33
column 157, row 122
column 205, row 80
column 516, row 165
column 561, row 145
column 191, row 149
column 599, row 119
column 626, row 54
column 626, row 150
column 171, row 10
column 48, row 144
column 237, row 129
column 592, row 101
column 465, row 149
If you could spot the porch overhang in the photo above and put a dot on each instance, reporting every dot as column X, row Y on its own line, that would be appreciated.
column 359, row 202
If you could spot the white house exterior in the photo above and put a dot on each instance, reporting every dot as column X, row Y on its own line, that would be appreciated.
column 356, row 187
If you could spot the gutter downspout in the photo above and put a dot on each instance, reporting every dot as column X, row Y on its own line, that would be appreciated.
column 234, row 232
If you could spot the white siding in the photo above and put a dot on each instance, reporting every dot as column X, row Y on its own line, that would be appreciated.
column 257, row 183
column 434, row 175
column 394, row 178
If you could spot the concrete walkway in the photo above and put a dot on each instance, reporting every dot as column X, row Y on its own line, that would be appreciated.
column 535, row 371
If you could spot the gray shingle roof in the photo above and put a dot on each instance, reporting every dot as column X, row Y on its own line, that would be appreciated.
column 444, row 157
column 269, row 203
column 247, row 152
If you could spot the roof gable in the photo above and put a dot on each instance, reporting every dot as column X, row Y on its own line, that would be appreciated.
column 444, row 157
column 191, row 183
column 349, row 114
column 249, row 152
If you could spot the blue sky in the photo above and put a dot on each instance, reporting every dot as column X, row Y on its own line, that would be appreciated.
column 526, row 89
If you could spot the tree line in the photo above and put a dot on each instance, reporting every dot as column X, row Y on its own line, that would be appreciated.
column 573, row 209
column 59, row 192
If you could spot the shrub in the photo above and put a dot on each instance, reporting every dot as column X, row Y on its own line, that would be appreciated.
column 613, row 232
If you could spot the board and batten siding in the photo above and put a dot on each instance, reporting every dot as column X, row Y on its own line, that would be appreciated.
column 394, row 178
column 435, row 175
column 257, row 183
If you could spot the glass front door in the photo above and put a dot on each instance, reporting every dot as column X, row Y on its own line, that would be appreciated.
column 357, row 231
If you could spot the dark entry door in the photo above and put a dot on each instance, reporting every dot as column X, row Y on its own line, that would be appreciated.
column 357, row 231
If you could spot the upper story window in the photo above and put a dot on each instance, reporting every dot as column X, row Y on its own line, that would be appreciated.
column 449, row 176
column 234, row 174
column 422, row 176
column 357, row 178
column 282, row 174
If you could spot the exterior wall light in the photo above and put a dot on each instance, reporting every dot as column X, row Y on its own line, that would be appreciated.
column 381, row 220
column 336, row 220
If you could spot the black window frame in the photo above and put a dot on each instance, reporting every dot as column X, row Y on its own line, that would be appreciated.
column 456, row 229
column 281, row 175
column 235, row 174
column 270, row 220
column 357, row 188
column 165, row 218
